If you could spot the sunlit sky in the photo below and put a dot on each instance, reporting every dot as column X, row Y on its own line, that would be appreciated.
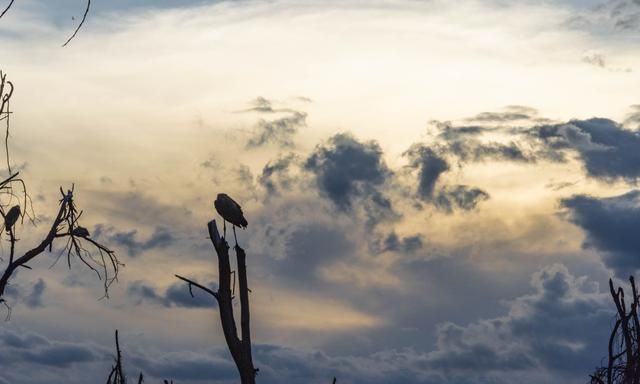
column 436, row 191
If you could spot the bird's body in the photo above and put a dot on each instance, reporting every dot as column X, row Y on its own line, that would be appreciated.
column 11, row 217
column 80, row 231
column 230, row 210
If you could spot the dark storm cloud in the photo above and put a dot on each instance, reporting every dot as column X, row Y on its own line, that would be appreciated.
column 347, row 169
column 610, row 225
column 459, row 196
column 561, row 329
column 279, row 131
column 430, row 166
column 177, row 295
column 160, row 238
column 607, row 150
column 34, row 349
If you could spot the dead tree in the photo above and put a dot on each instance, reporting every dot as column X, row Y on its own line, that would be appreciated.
column 623, row 360
column 15, row 204
column 117, row 376
column 240, row 348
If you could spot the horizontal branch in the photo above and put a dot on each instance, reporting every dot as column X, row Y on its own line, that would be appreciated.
column 202, row 287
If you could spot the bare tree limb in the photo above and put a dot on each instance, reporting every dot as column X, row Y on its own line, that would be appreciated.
column 7, row 8
column 240, row 348
column 84, row 17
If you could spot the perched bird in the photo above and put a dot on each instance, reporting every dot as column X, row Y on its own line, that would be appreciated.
column 80, row 231
column 230, row 210
column 11, row 217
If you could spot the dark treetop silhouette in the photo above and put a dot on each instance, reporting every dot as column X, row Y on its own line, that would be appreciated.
column 240, row 348
column 623, row 354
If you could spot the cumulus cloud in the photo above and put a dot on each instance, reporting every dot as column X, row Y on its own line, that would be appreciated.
column 610, row 225
column 347, row 169
column 560, row 329
column 608, row 150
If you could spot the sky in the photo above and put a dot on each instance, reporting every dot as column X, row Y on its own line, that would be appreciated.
column 437, row 192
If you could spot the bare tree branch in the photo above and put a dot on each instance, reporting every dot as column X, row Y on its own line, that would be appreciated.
column 240, row 348
column 7, row 8
column 84, row 17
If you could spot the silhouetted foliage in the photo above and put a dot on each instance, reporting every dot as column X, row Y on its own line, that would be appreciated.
column 623, row 358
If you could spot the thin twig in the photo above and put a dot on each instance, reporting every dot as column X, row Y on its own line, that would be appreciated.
column 7, row 8
column 84, row 17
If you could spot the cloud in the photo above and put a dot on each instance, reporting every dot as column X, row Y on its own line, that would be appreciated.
column 347, row 170
column 38, row 350
column 459, row 196
column 633, row 118
column 430, row 167
column 608, row 150
column 595, row 58
column 476, row 151
column 511, row 114
column 260, row 104
column 139, row 208
column 187, row 367
column 610, row 227
column 176, row 295
column 394, row 243
column 34, row 300
column 276, row 175
column 560, row 329
column 279, row 131
column 161, row 238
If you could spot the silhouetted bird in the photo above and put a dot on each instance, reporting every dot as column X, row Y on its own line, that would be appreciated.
column 80, row 231
column 230, row 210
column 12, row 216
